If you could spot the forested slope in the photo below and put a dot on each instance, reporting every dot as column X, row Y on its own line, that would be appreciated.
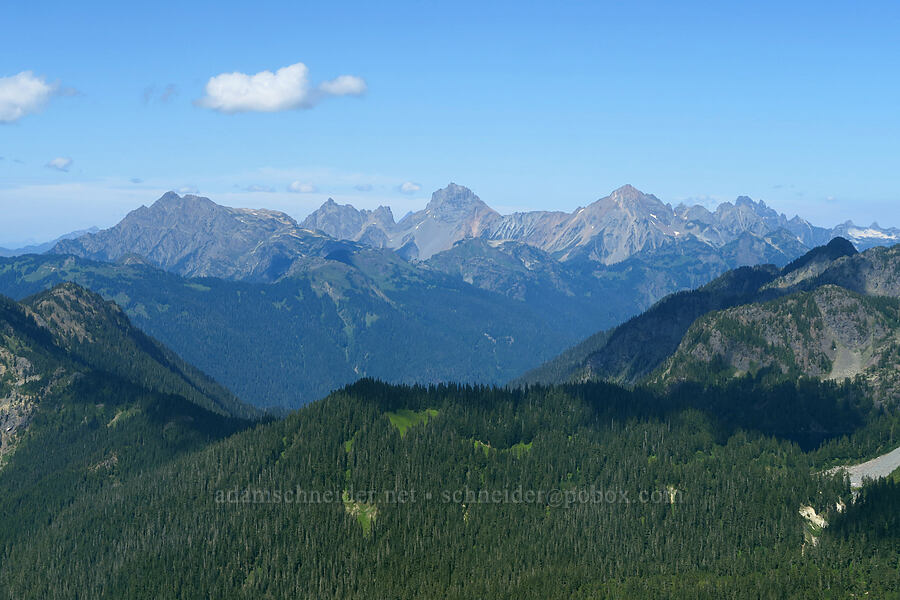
column 383, row 491
column 284, row 344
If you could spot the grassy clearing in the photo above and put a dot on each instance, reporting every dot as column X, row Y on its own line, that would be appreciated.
column 521, row 449
column 404, row 419
column 348, row 445
column 365, row 513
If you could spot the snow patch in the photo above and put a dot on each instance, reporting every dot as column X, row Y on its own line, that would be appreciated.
column 870, row 233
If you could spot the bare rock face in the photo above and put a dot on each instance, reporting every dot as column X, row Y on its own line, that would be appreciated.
column 195, row 237
column 16, row 403
column 832, row 313
column 344, row 222
column 829, row 333
column 616, row 227
column 454, row 213
column 874, row 272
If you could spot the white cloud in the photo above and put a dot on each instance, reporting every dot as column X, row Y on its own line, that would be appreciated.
column 23, row 94
column 188, row 189
column 286, row 89
column 60, row 163
column 408, row 187
column 363, row 187
column 298, row 187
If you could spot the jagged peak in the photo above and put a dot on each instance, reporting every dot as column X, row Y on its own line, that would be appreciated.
column 384, row 212
column 627, row 191
column 628, row 195
column 453, row 196
column 332, row 204
column 169, row 196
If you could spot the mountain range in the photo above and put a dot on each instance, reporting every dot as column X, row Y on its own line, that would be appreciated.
column 608, row 231
column 453, row 292
column 832, row 314
column 195, row 237
column 127, row 472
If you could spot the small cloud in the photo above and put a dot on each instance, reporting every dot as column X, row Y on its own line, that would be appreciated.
column 345, row 85
column 258, row 188
column 408, row 187
column 136, row 180
column 23, row 94
column 363, row 187
column 298, row 187
column 156, row 94
column 188, row 189
column 288, row 88
column 60, row 163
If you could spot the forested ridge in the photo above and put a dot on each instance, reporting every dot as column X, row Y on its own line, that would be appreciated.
column 699, row 492
column 130, row 474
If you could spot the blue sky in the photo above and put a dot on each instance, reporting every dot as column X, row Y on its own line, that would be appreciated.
column 532, row 105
